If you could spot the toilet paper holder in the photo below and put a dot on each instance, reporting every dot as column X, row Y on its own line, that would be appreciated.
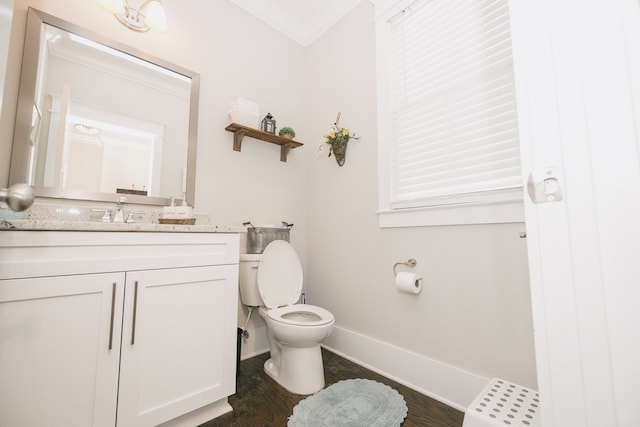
column 409, row 263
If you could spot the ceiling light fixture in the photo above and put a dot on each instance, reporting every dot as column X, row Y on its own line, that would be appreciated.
column 149, row 16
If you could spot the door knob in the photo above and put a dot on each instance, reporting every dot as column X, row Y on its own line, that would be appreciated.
column 545, row 185
column 19, row 197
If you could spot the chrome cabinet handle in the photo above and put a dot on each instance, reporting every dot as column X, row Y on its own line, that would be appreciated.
column 113, row 308
column 135, row 308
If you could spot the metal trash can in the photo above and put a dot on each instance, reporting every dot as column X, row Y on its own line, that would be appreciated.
column 259, row 237
column 238, row 351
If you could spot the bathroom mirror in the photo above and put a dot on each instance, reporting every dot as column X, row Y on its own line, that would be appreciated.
column 97, row 120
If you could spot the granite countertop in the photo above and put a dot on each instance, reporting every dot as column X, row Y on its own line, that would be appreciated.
column 70, row 218
column 62, row 225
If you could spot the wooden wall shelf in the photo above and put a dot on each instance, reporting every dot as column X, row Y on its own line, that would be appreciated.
column 240, row 131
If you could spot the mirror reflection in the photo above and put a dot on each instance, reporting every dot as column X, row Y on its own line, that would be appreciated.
column 103, row 123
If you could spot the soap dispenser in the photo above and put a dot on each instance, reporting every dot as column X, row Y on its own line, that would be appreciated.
column 184, row 211
column 169, row 212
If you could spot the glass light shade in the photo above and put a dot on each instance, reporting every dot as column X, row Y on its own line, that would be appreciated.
column 113, row 6
column 155, row 16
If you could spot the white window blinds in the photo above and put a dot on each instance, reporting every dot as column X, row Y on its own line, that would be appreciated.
column 453, row 112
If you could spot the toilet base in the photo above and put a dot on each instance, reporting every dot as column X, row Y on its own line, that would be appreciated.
column 300, row 370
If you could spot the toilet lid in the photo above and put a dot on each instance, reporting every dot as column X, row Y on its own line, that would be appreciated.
column 279, row 275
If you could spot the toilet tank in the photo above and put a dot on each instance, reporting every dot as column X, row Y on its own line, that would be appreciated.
column 248, row 280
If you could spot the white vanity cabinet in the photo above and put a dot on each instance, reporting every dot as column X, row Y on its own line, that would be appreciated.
column 55, row 365
column 116, row 328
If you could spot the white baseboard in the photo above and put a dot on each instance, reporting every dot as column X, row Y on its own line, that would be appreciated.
column 201, row 415
column 448, row 384
column 256, row 343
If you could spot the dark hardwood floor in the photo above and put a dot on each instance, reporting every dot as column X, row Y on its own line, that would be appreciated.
column 260, row 402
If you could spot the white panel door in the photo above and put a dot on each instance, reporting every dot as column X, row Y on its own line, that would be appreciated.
column 59, row 350
column 172, row 358
column 577, row 67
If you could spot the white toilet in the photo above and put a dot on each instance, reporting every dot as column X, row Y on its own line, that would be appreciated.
column 272, row 281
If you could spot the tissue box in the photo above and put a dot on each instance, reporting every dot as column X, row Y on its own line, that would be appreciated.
column 245, row 112
column 244, row 118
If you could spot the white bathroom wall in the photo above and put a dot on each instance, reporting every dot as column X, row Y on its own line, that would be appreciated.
column 474, row 310
column 236, row 55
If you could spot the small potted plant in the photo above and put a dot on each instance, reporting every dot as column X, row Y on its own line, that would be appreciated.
column 287, row 132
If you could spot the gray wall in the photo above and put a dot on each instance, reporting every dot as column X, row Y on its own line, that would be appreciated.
column 474, row 311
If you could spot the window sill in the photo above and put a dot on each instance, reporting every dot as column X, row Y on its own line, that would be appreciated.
column 459, row 214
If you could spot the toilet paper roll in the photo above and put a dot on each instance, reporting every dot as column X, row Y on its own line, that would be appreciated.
column 408, row 282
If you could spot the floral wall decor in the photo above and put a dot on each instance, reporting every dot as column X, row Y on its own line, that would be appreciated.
column 337, row 139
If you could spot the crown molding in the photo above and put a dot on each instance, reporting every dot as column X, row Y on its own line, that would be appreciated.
column 302, row 29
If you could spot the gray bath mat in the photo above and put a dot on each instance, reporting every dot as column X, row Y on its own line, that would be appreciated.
column 351, row 403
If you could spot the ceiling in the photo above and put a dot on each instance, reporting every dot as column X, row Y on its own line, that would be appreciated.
column 302, row 20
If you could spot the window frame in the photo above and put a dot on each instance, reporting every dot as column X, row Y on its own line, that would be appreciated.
column 482, row 208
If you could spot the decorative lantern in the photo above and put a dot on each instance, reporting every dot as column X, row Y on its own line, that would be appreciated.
column 268, row 124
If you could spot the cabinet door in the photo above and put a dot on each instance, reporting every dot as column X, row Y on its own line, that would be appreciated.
column 178, row 342
column 59, row 350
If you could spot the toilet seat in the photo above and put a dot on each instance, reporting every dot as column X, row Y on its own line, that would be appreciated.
column 279, row 275
column 301, row 315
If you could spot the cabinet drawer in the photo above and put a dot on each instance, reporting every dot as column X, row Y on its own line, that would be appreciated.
column 53, row 253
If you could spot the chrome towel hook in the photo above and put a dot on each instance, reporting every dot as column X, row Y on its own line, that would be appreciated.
column 409, row 263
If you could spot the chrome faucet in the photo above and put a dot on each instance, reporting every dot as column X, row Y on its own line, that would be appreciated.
column 106, row 217
column 131, row 216
column 118, row 216
column 118, row 213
